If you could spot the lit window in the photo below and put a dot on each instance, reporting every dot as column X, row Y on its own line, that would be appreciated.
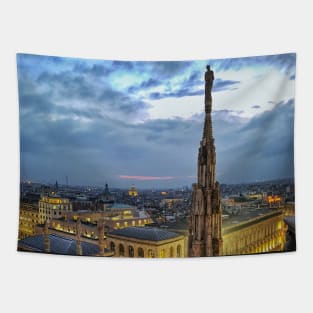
column 162, row 253
column 179, row 251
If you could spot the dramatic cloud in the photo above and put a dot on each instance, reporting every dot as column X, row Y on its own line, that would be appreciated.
column 126, row 122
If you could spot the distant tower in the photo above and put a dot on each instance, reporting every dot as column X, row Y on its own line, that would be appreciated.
column 205, row 238
column 56, row 186
column 79, row 250
column 46, row 237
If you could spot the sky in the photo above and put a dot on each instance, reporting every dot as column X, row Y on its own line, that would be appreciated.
column 141, row 122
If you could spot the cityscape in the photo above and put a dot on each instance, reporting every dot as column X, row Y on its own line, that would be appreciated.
column 170, row 197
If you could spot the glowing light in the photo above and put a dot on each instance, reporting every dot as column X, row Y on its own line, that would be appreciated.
column 146, row 177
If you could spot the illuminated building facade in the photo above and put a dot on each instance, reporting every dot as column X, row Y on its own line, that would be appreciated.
column 146, row 242
column 132, row 192
column 274, row 200
column 28, row 219
column 116, row 216
column 53, row 206
column 206, row 212
column 257, row 231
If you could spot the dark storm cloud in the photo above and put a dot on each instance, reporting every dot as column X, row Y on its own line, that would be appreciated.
column 260, row 149
column 74, row 123
column 105, row 149
column 255, row 106
column 67, row 85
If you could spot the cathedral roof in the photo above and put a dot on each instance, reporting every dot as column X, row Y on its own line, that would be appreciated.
column 58, row 245
column 145, row 233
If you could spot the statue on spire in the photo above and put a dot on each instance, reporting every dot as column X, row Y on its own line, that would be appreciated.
column 205, row 237
column 209, row 77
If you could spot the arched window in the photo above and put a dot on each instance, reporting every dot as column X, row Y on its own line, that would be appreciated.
column 150, row 254
column 130, row 251
column 121, row 250
column 179, row 251
column 141, row 253
column 162, row 253
column 112, row 246
column 171, row 252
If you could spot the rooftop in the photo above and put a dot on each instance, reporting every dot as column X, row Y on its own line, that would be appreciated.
column 120, row 206
column 58, row 245
column 144, row 233
column 248, row 216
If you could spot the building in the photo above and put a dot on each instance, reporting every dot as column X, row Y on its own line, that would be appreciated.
column 291, row 233
column 146, row 242
column 132, row 192
column 53, row 206
column 58, row 245
column 28, row 219
column 206, row 212
column 50, row 240
column 115, row 216
column 254, row 231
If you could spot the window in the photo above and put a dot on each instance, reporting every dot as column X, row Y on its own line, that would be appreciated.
column 112, row 246
column 171, row 252
column 179, row 251
column 150, row 253
column 162, row 253
column 141, row 253
column 130, row 251
column 121, row 250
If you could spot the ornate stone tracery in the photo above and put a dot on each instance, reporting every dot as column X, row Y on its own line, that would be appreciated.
column 205, row 238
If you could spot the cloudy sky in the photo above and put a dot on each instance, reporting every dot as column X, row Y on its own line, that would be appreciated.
column 141, row 122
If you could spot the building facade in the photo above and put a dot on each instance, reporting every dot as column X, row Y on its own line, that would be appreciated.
column 53, row 206
column 266, row 232
column 206, row 212
column 146, row 242
column 28, row 219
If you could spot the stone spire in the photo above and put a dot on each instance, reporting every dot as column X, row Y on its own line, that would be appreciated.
column 46, row 237
column 79, row 250
column 205, row 238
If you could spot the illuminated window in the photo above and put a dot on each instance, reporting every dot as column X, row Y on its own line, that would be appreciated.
column 162, row 253
column 150, row 253
column 179, row 251
column 117, row 225
column 171, row 252
column 134, row 223
column 125, row 224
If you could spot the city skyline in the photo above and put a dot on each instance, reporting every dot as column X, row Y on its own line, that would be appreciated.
column 138, row 123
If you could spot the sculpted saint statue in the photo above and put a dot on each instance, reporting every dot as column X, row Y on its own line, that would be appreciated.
column 209, row 77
